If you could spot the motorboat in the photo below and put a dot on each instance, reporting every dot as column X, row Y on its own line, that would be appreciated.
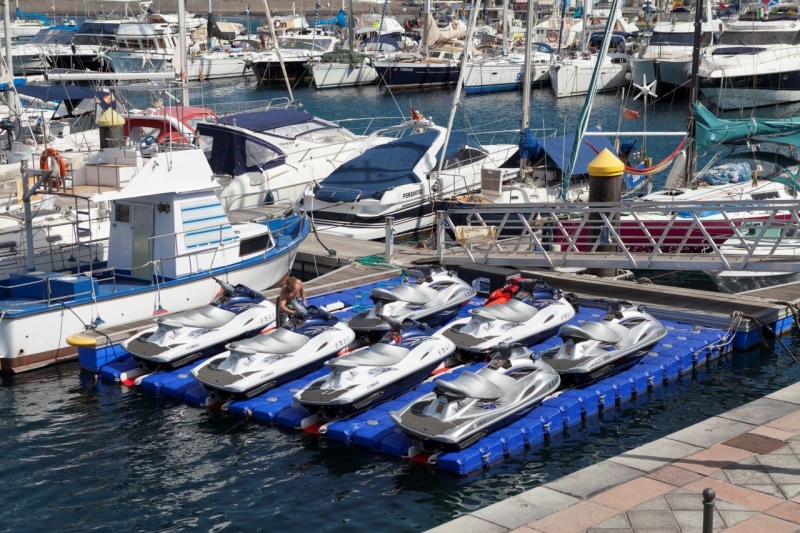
column 409, row 353
column 778, row 239
column 180, row 338
column 224, row 53
column 667, row 57
column 595, row 350
column 457, row 413
column 249, row 367
column 144, row 47
column 297, row 52
column 433, row 299
column 533, row 314
column 87, row 51
column 29, row 57
column 755, row 61
column 439, row 68
column 399, row 179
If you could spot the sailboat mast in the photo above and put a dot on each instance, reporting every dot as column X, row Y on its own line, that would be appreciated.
column 587, row 5
column 182, row 44
column 278, row 49
column 426, row 11
column 691, row 155
column 505, row 27
column 210, row 26
column 526, row 69
column 473, row 20
column 350, row 27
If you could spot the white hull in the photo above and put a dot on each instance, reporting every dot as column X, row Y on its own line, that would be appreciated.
column 735, row 98
column 24, row 336
column 332, row 75
column 492, row 76
column 672, row 72
column 572, row 76
column 749, row 280
column 217, row 65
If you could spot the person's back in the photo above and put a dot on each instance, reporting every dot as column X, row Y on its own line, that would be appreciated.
column 288, row 303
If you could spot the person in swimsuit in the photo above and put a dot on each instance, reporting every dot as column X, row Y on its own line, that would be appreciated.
column 288, row 304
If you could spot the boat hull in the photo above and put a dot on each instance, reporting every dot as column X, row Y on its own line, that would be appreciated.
column 270, row 71
column 573, row 78
column 333, row 75
column 738, row 92
column 417, row 76
column 487, row 78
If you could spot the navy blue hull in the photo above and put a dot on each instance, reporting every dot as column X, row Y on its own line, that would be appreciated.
column 267, row 71
column 410, row 76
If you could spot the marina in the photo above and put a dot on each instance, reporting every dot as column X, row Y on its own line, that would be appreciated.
column 400, row 266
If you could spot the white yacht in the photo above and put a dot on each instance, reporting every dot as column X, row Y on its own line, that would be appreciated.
column 571, row 75
column 667, row 58
column 29, row 57
column 297, row 51
column 143, row 47
column 505, row 73
column 755, row 62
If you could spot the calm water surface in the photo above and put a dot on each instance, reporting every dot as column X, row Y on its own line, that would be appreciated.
column 79, row 454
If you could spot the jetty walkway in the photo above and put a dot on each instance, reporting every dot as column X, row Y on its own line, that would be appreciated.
column 750, row 457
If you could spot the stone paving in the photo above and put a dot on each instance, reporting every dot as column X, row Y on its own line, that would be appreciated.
column 750, row 456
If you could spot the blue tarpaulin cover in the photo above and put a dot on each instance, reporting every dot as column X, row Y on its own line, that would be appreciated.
column 267, row 120
column 234, row 153
column 528, row 146
column 558, row 150
column 53, row 93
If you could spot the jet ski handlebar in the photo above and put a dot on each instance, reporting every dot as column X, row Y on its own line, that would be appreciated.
column 396, row 325
column 227, row 288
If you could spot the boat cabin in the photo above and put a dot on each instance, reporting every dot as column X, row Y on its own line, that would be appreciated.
column 153, row 38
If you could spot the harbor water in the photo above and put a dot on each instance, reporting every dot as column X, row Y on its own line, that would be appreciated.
column 81, row 454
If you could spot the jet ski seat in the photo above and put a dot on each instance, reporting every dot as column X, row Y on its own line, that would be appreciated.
column 208, row 317
column 279, row 341
column 481, row 386
column 406, row 293
column 608, row 332
column 511, row 311
column 379, row 355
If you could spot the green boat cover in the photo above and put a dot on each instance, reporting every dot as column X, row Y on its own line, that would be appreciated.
column 711, row 130
column 347, row 57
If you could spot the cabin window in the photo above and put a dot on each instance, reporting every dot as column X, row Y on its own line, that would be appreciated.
column 679, row 39
column 757, row 38
column 256, row 155
column 122, row 213
column 254, row 245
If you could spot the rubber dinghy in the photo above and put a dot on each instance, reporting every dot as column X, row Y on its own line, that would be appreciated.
column 433, row 299
column 533, row 314
column 409, row 353
column 595, row 350
column 259, row 363
column 181, row 338
column 457, row 413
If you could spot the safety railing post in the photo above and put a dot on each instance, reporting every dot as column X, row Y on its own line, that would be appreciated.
column 440, row 235
column 389, row 247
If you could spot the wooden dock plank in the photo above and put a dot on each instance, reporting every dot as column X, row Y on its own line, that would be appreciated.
column 788, row 292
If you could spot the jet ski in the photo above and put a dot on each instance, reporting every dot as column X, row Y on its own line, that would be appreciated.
column 433, row 299
column 254, row 365
column 594, row 350
column 407, row 355
column 535, row 313
column 181, row 338
column 457, row 413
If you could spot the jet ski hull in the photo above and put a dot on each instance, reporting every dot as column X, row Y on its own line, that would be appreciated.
column 467, row 344
column 572, row 379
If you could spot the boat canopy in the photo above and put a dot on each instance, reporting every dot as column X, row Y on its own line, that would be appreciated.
column 232, row 153
column 56, row 93
column 711, row 130
column 267, row 120
column 345, row 57
column 377, row 170
column 558, row 150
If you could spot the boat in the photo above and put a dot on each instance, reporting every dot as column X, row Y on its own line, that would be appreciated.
column 667, row 57
column 391, row 179
column 357, row 381
column 457, row 413
column 505, row 73
column 143, row 47
column 88, row 47
column 252, row 366
column 29, row 57
column 169, row 237
column 533, row 314
column 755, row 62
column 570, row 76
column 25, row 26
column 343, row 68
column 777, row 239
column 178, row 339
column 271, row 156
column 433, row 299
column 221, row 51
column 596, row 350
column 297, row 51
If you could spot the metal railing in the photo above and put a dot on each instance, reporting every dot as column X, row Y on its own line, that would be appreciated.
column 719, row 236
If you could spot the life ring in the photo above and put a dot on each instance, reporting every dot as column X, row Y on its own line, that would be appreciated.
column 277, row 24
column 455, row 25
column 62, row 165
column 596, row 21
column 552, row 36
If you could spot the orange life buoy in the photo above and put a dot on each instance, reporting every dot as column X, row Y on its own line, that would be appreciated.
column 552, row 36
column 62, row 165
column 596, row 21
column 455, row 25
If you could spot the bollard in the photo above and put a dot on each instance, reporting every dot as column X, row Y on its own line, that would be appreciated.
column 110, row 126
column 389, row 249
column 605, row 185
column 708, row 510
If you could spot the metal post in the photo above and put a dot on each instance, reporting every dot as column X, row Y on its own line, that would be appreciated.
column 12, row 99
column 440, row 235
column 389, row 250
column 26, row 203
column 708, row 510
column 184, row 66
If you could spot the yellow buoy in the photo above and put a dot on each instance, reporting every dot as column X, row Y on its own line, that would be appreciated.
column 110, row 119
column 81, row 341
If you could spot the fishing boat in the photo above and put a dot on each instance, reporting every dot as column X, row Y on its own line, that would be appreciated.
column 168, row 239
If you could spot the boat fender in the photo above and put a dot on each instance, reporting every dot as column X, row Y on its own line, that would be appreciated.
column 62, row 165
column 334, row 306
column 455, row 25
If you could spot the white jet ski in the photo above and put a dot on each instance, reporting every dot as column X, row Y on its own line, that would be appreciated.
column 181, row 338
column 534, row 314
column 458, row 413
column 433, row 299
column 257, row 364
column 409, row 353
column 595, row 350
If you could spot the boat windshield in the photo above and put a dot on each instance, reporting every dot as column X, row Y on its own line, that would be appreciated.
column 678, row 39
column 319, row 45
column 53, row 37
column 759, row 38
column 755, row 229
column 316, row 130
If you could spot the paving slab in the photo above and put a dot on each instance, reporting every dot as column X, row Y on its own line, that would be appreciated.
column 781, row 468
column 790, row 394
column 752, row 442
column 615, row 522
column 760, row 411
column 772, row 490
column 468, row 524
column 708, row 461
column 747, row 498
column 656, row 454
column 710, row 432
column 761, row 523
column 656, row 504
column 732, row 518
column 632, row 493
column 789, row 490
column 526, row 507
column 575, row 518
column 774, row 433
column 790, row 422
column 594, row 479
column 652, row 520
column 693, row 520
column 674, row 475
